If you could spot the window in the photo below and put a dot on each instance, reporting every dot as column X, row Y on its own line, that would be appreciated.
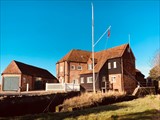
column 38, row 79
column 104, row 78
column 113, row 79
column 61, row 68
column 114, row 65
column 82, row 79
column 79, row 68
column 89, row 66
column 75, row 81
column 109, row 65
column 72, row 67
column 89, row 80
column 24, row 80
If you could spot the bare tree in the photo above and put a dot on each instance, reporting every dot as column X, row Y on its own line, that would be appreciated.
column 155, row 71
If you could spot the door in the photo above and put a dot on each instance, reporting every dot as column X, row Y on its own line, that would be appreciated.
column 11, row 84
column 103, row 84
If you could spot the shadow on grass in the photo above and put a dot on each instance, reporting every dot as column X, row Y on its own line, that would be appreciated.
column 73, row 114
column 146, row 115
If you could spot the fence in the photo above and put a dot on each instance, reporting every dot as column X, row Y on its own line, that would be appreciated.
column 65, row 87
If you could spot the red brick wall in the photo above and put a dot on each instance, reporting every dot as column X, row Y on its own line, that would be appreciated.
column 67, row 73
column 129, row 71
column 12, row 69
column 117, row 85
column 129, row 84
column 27, row 79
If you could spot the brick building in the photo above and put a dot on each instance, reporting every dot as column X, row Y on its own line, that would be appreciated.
column 114, row 69
column 16, row 76
column 140, row 78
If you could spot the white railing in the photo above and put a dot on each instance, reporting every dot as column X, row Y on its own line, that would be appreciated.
column 65, row 87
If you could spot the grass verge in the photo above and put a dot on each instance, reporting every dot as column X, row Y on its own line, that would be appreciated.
column 146, row 108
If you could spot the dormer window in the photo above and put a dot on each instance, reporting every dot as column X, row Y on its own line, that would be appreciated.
column 114, row 65
column 79, row 68
column 90, row 67
column 72, row 67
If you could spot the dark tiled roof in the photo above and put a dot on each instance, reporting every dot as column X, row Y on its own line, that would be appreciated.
column 76, row 56
column 100, row 57
column 104, row 55
column 32, row 70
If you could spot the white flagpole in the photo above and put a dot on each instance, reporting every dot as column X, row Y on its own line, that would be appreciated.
column 94, row 90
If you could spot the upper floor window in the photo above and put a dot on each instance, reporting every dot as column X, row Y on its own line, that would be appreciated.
column 79, row 68
column 89, row 80
column 89, row 66
column 72, row 67
column 82, row 79
column 61, row 68
column 109, row 65
column 114, row 64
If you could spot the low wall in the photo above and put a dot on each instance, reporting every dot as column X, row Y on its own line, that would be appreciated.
column 16, row 105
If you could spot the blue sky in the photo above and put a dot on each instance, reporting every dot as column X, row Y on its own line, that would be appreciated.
column 42, row 32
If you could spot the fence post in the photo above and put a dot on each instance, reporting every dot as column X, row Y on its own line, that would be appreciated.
column 73, row 87
column 27, row 87
column 64, row 85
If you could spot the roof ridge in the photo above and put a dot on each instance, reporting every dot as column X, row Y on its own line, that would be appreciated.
column 112, row 48
column 81, row 50
column 28, row 65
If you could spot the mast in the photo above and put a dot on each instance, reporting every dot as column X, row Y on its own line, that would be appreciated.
column 94, row 90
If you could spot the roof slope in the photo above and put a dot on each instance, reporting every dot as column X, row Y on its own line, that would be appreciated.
column 76, row 56
column 28, row 70
column 104, row 55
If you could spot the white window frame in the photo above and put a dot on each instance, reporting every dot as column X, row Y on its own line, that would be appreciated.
column 73, row 67
column 109, row 65
column 113, row 79
column 89, row 80
column 90, row 67
column 114, row 64
column 79, row 68
column 61, row 69
column 82, row 80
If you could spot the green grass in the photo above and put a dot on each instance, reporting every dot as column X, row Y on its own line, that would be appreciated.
column 139, row 109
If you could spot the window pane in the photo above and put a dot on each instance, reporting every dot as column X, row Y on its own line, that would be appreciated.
column 89, row 66
column 89, row 80
column 82, row 79
column 114, row 65
column 109, row 65
column 79, row 67
column 73, row 67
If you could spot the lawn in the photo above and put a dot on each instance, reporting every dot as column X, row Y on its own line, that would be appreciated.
column 146, row 108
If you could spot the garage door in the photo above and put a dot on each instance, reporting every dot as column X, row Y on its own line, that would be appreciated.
column 11, row 83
